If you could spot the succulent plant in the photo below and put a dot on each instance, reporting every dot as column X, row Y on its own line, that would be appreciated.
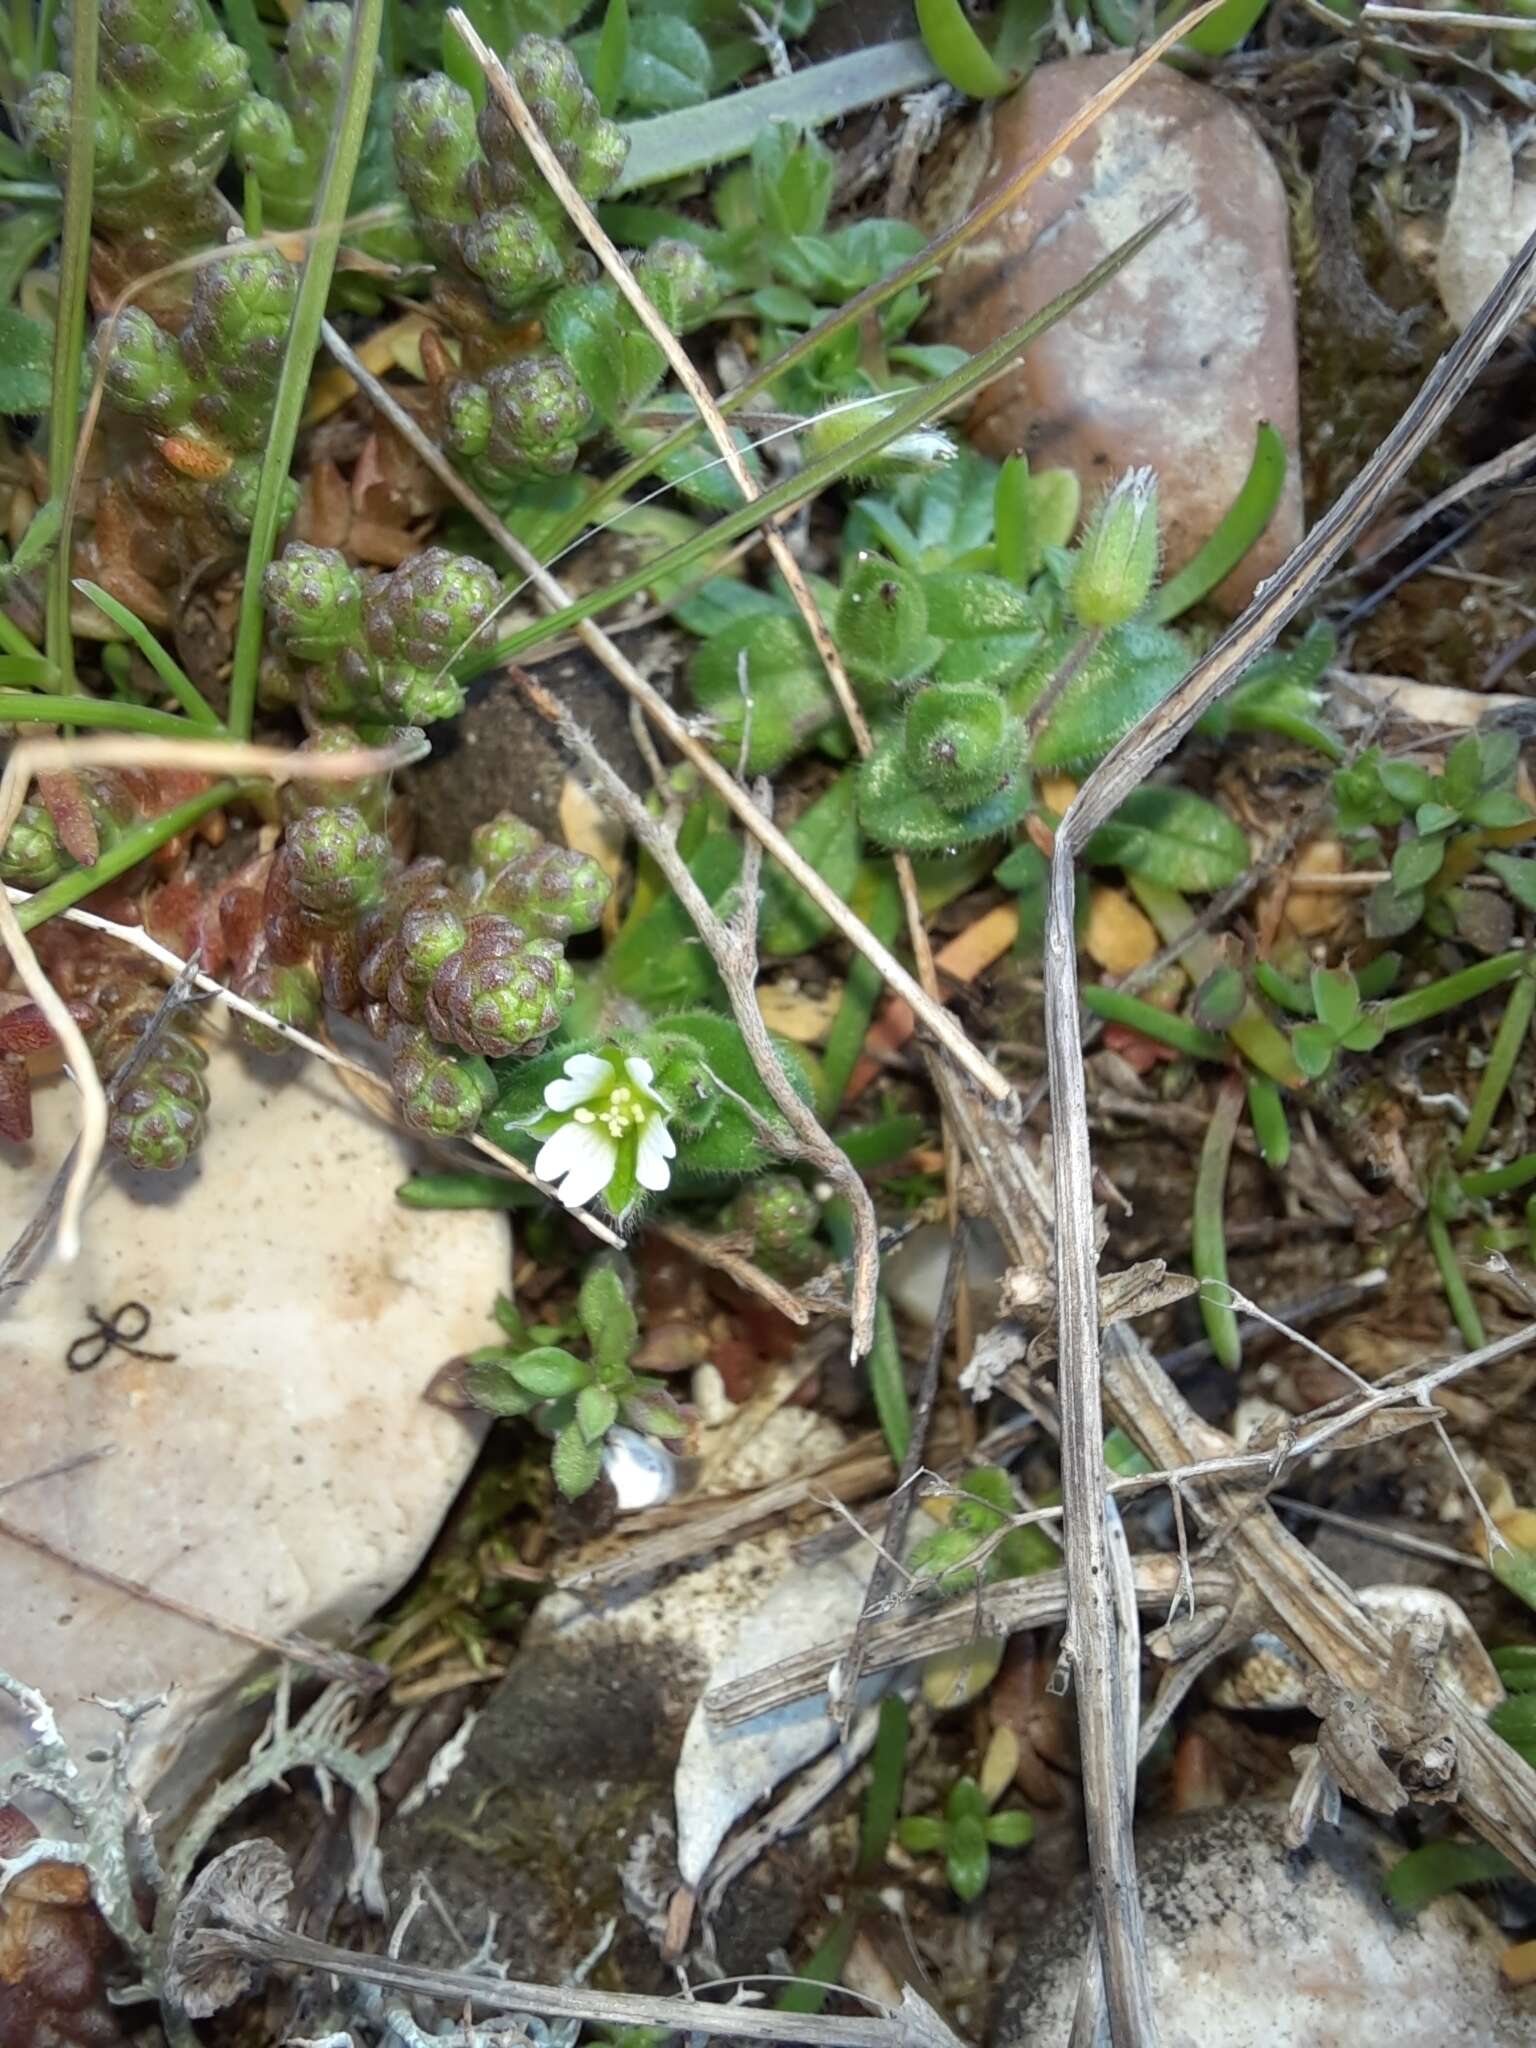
column 171, row 84
column 160, row 1117
column 380, row 647
column 206, row 394
column 481, row 206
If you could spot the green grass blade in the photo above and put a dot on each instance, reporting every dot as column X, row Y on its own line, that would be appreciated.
column 133, row 847
column 165, row 666
column 69, row 330
column 331, row 205
column 1246, row 518
column 105, row 713
column 959, row 52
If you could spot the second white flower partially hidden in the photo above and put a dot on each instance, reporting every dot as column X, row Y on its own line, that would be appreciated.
column 605, row 1132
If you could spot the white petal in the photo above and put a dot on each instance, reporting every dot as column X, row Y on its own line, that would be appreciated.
column 642, row 1073
column 582, row 1158
column 655, row 1148
column 587, row 1076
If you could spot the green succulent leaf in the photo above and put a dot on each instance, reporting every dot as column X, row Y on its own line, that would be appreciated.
column 1335, row 999
column 1314, row 1046
column 920, row 1834
column 967, row 1862
column 1516, row 1666
column 1417, row 862
column 1011, row 1830
column 1497, row 811
column 1438, row 1867
column 1405, row 782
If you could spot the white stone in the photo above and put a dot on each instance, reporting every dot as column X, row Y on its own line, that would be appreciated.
column 284, row 1472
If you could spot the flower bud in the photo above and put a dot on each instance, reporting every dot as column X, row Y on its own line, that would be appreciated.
column 959, row 741
column 1117, row 561
column 882, row 621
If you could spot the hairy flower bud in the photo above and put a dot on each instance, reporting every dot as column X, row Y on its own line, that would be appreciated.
column 958, row 740
column 1117, row 560
column 881, row 624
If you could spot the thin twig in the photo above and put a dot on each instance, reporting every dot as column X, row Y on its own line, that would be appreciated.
column 1091, row 1625
column 553, row 594
column 339, row 1665
column 710, row 1249
column 887, row 1566
column 733, row 948
column 913, row 2024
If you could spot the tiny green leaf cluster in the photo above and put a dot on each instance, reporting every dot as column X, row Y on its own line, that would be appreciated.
column 1445, row 827
column 159, row 1118
column 452, row 968
column 977, row 1544
column 965, row 1834
column 280, row 144
column 575, row 1400
column 507, row 252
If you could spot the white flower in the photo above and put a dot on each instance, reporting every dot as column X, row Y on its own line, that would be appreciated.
column 611, row 1132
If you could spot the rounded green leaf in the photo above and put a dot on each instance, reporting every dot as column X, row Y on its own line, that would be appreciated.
column 548, row 1372
column 968, row 1863
column 920, row 1834
column 1173, row 838
column 1011, row 1830
column 597, row 1410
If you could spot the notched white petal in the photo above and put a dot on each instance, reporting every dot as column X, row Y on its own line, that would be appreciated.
column 655, row 1148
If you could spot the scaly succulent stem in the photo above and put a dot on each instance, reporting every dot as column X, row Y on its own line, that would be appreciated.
column 303, row 339
column 69, row 331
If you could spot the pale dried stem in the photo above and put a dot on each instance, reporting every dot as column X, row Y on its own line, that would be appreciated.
column 1091, row 1626
column 733, row 948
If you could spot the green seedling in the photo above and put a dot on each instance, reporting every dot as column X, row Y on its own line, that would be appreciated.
column 1445, row 826
column 965, row 1834
column 576, row 1400
column 1342, row 1024
column 977, row 1546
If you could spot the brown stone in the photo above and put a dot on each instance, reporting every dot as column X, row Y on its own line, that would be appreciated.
column 1179, row 357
